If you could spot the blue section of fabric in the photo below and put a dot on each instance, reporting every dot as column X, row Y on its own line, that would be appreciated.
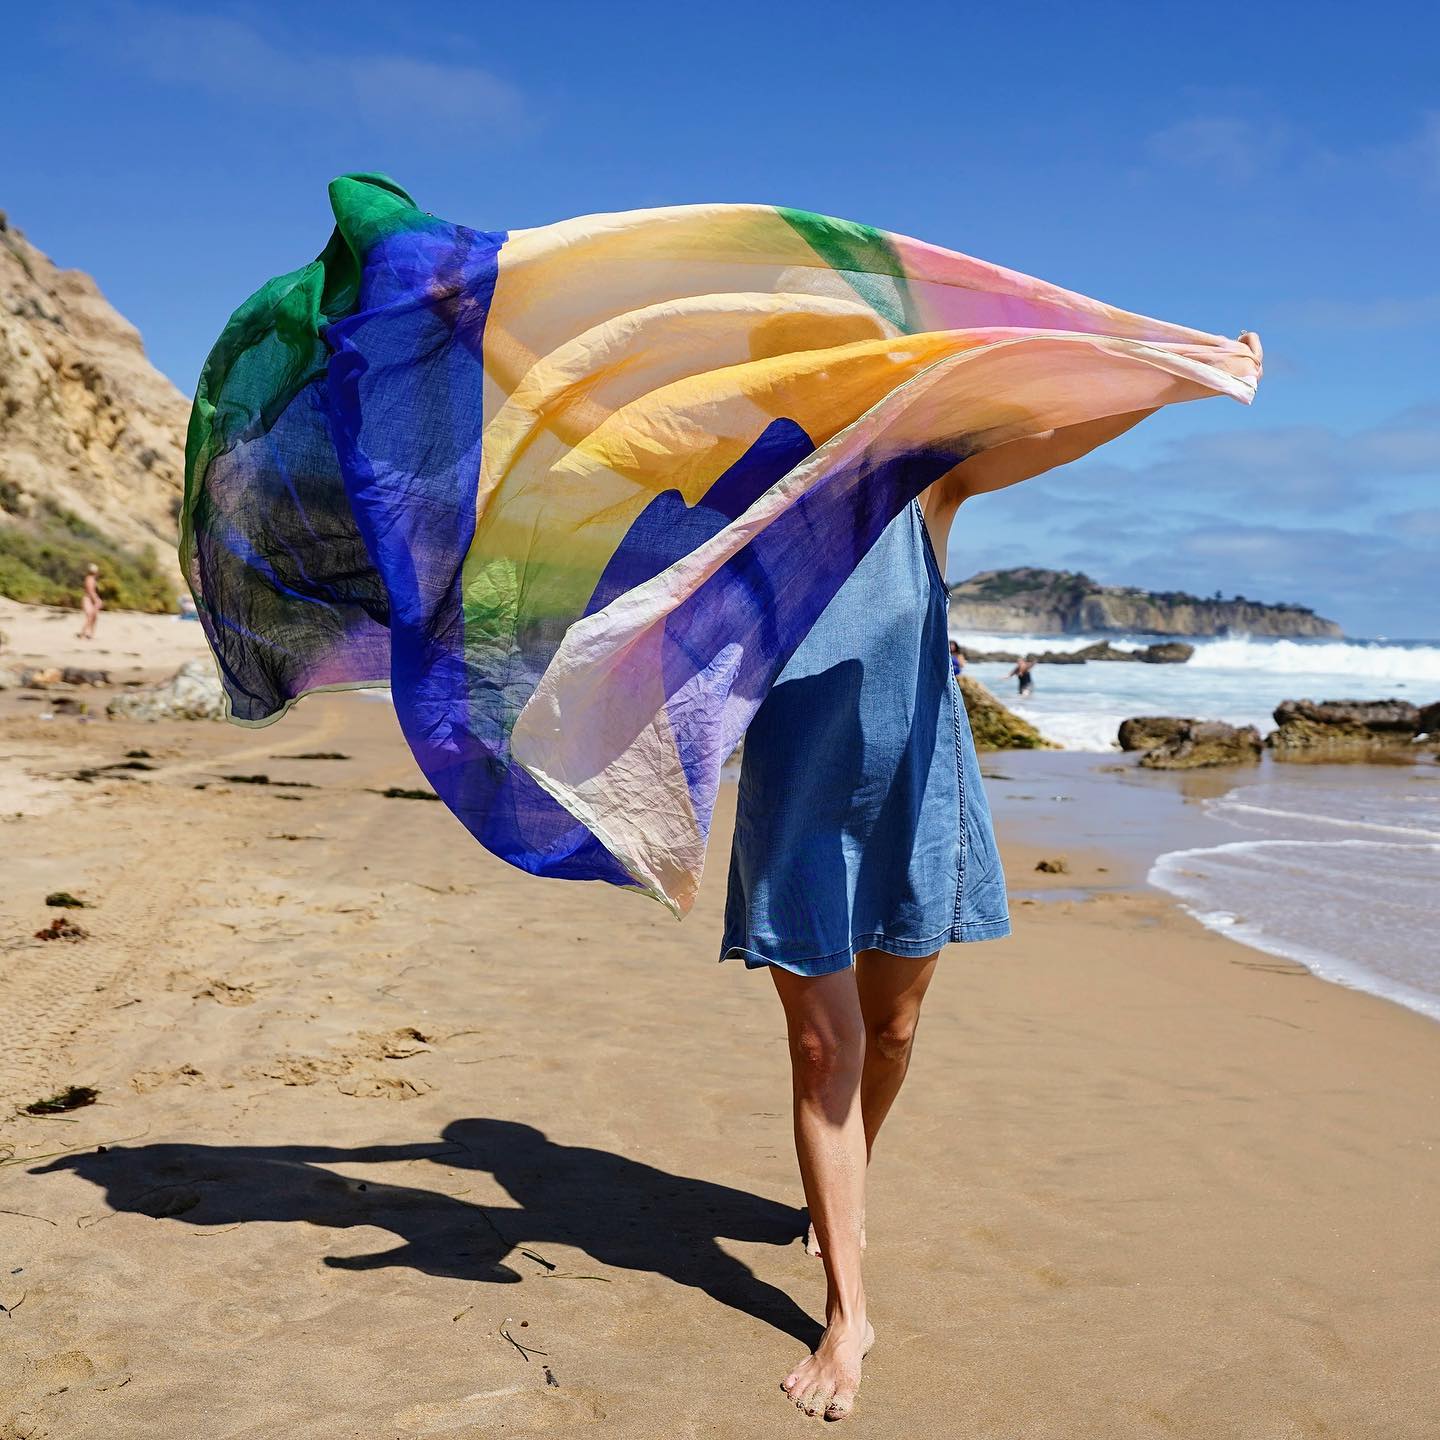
column 404, row 399
column 407, row 417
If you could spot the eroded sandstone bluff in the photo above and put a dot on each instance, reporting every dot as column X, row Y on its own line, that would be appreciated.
column 1032, row 601
column 91, row 441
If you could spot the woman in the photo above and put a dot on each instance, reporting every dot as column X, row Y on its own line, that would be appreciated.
column 862, row 845
column 594, row 497
column 90, row 603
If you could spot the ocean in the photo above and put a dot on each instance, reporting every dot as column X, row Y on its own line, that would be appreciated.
column 1334, row 866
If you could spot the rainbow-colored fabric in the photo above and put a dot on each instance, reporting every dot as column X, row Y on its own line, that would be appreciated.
column 576, row 493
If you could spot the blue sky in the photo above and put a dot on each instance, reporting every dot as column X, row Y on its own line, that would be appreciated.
column 1273, row 166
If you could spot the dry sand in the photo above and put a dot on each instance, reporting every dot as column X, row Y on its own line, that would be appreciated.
column 129, row 645
column 370, row 1101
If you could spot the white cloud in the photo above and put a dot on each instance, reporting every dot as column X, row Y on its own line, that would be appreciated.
column 1419, row 156
column 1344, row 522
column 1230, row 146
column 1421, row 524
column 1237, row 148
column 1291, row 467
column 1364, row 316
column 230, row 57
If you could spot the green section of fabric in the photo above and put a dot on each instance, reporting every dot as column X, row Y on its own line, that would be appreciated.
column 865, row 257
column 271, row 346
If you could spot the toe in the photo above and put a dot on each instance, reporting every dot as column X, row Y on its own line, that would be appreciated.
column 841, row 1405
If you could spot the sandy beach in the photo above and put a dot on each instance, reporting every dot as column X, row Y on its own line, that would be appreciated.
column 394, row 1141
column 130, row 646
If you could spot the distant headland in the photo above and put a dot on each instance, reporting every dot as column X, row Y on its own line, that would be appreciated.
column 1032, row 601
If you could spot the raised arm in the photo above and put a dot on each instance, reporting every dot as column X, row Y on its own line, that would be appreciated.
column 1022, row 459
column 1019, row 460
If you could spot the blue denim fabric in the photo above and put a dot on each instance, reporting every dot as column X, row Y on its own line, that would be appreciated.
column 861, row 821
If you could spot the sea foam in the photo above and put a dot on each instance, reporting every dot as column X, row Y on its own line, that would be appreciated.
column 1340, row 871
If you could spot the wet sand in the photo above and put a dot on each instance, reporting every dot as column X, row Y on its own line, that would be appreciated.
column 399, row 1142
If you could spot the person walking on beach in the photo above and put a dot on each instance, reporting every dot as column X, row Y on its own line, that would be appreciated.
column 720, row 450
column 848, row 875
column 1024, row 673
column 90, row 603
column 957, row 660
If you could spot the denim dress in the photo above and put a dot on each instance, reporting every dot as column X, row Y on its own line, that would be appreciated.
column 861, row 822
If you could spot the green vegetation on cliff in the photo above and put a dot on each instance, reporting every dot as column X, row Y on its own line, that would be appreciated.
column 43, row 556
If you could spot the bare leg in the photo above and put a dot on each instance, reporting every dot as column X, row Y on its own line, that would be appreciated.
column 827, row 1056
column 891, row 990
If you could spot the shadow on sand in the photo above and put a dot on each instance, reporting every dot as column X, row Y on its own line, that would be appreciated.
column 622, row 1213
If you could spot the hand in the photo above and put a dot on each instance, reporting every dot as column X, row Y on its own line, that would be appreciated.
column 1251, row 341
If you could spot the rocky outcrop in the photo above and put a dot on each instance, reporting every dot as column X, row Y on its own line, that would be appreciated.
column 1352, row 729
column 993, row 726
column 1059, row 602
column 988, row 657
column 1145, row 732
column 1198, row 744
column 192, row 693
column 91, row 434
column 1167, row 652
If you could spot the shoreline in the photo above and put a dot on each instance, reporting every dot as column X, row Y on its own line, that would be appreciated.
column 1156, row 826
column 370, row 1098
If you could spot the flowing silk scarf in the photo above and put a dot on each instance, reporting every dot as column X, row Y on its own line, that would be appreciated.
column 576, row 493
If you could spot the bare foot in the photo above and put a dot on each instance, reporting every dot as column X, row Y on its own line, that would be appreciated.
column 825, row 1383
column 812, row 1240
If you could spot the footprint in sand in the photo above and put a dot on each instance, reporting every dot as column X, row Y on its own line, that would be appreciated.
column 398, row 1044
column 221, row 1323
column 69, row 1368
column 148, row 1080
column 224, row 993
column 382, row 1087
column 296, row 1069
column 512, row 1410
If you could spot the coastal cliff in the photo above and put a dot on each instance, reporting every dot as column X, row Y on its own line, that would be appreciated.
column 1032, row 601
column 91, row 442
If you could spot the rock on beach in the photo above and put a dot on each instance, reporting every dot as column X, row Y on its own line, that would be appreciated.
column 995, row 727
column 1352, row 729
column 1201, row 743
column 192, row 693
